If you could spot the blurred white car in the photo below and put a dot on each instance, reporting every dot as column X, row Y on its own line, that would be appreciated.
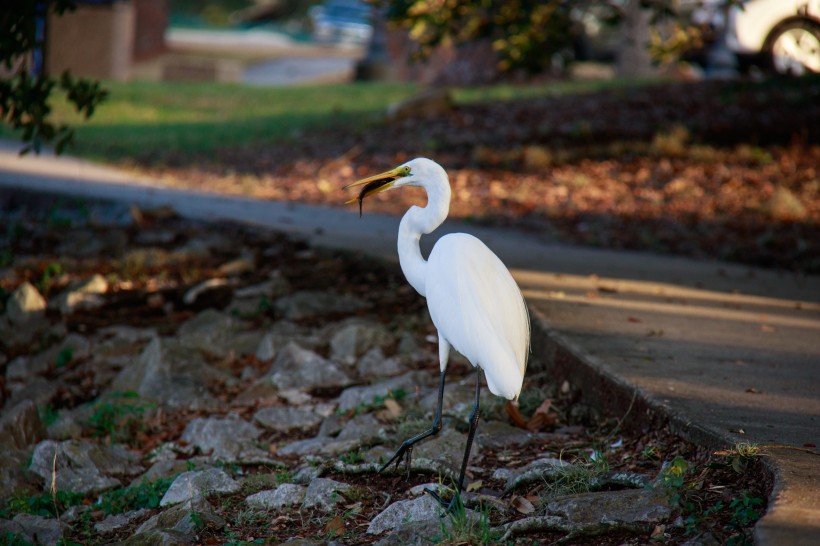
column 779, row 35
column 786, row 32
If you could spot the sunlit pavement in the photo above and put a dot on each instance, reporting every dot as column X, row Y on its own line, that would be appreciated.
column 722, row 353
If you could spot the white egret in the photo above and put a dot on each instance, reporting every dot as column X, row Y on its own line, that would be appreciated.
column 474, row 302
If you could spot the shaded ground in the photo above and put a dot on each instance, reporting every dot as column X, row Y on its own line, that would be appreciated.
column 717, row 169
column 201, row 326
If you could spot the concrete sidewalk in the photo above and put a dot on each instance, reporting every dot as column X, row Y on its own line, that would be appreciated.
column 723, row 353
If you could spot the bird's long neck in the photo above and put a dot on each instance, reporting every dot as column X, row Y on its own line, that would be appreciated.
column 418, row 221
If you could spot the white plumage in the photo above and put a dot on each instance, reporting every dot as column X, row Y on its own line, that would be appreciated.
column 474, row 302
column 477, row 307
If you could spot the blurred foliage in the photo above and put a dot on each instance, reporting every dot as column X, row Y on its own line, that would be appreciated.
column 532, row 35
column 24, row 95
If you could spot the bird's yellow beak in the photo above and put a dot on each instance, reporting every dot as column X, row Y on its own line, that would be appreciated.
column 374, row 184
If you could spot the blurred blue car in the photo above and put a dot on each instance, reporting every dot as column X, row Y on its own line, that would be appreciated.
column 342, row 21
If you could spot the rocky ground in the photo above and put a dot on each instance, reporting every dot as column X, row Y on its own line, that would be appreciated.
column 170, row 382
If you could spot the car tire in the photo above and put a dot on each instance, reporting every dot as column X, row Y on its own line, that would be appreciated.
column 793, row 48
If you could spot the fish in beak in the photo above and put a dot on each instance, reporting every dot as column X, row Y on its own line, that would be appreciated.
column 375, row 184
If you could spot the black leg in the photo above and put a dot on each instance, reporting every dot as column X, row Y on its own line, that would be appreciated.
column 470, row 435
column 406, row 449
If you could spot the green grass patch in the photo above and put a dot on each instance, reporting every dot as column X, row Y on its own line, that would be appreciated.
column 145, row 495
column 117, row 416
column 150, row 120
column 144, row 119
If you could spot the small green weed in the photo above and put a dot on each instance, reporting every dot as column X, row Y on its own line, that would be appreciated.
column 463, row 529
column 13, row 539
column 118, row 415
column 746, row 511
column 50, row 273
column 145, row 495
column 578, row 477
column 283, row 476
column 48, row 414
column 41, row 505
column 352, row 457
column 64, row 357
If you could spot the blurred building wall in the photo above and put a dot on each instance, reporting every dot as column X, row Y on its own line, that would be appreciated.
column 102, row 39
column 151, row 22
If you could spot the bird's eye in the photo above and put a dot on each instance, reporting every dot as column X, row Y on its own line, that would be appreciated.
column 405, row 171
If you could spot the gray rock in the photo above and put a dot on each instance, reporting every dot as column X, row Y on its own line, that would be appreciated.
column 73, row 346
column 218, row 334
column 283, row 419
column 171, row 374
column 307, row 474
column 496, row 434
column 400, row 513
column 73, row 513
column 68, row 425
column 15, row 477
column 118, row 521
column 165, row 468
column 228, row 439
column 324, row 494
column 355, row 397
column 118, row 346
column 266, row 350
column 363, row 429
column 319, row 446
column 83, row 467
column 21, row 426
column 25, row 304
column 180, row 518
column 35, row 529
column 373, row 364
column 23, row 334
column 275, row 499
column 458, row 400
column 38, row 389
column 627, row 506
column 536, row 470
column 298, row 368
column 446, row 449
column 85, row 294
column 198, row 484
column 159, row 537
column 310, row 303
column 356, row 337
column 332, row 425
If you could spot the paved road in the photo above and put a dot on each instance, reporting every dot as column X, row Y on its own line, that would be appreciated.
column 724, row 353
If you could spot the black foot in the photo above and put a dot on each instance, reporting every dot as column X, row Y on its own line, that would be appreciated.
column 449, row 507
column 405, row 452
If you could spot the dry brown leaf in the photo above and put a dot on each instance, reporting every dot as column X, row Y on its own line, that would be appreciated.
column 522, row 505
column 336, row 526
column 474, row 486
column 393, row 408
column 542, row 418
column 515, row 415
